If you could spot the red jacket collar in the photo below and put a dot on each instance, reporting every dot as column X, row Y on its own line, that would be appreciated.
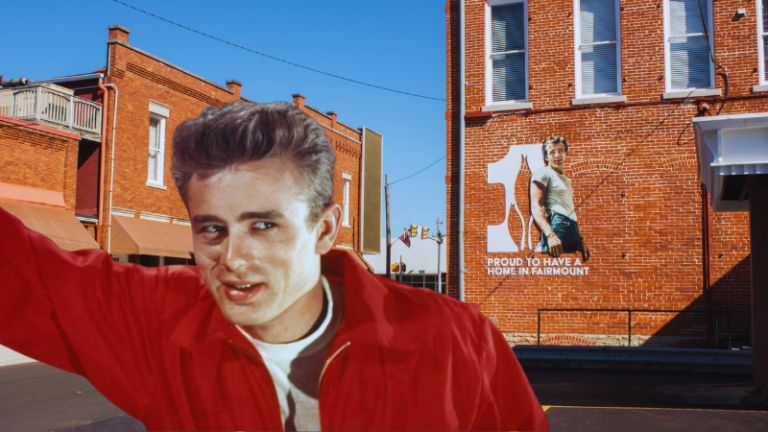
column 371, row 310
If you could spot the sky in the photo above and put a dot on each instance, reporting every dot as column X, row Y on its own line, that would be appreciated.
column 397, row 44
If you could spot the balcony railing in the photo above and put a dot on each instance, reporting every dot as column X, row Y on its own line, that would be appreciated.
column 49, row 104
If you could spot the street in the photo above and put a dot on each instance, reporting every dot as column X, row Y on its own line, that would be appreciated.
column 36, row 397
column 605, row 400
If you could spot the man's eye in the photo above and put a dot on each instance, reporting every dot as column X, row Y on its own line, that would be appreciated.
column 212, row 229
column 263, row 225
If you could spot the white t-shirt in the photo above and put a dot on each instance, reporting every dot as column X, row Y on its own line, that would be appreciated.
column 559, row 192
column 295, row 368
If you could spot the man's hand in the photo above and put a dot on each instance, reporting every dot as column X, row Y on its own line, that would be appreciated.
column 555, row 245
column 584, row 249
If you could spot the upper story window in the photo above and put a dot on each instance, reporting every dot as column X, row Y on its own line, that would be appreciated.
column 156, row 163
column 687, row 39
column 598, row 48
column 507, row 51
column 762, row 40
column 347, row 178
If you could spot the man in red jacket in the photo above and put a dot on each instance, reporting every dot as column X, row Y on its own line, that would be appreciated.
column 259, row 336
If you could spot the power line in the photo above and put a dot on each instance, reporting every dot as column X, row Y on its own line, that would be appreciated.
column 276, row 58
column 417, row 172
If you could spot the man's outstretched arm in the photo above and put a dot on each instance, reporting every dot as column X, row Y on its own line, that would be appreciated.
column 79, row 311
column 538, row 198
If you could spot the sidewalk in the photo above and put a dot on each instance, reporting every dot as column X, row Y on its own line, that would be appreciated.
column 10, row 357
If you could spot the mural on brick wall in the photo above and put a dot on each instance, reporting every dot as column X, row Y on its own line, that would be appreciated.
column 551, row 209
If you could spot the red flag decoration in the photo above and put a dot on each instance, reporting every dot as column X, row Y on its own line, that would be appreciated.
column 405, row 239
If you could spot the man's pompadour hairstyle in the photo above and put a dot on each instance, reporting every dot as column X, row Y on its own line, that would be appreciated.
column 552, row 140
column 242, row 132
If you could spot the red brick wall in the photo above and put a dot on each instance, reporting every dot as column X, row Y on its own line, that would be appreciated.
column 34, row 158
column 634, row 172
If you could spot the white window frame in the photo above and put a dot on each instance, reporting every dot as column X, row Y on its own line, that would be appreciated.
column 159, row 112
column 345, row 190
column 667, row 51
column 488, row 49
column 760, row 44
column 577, row 53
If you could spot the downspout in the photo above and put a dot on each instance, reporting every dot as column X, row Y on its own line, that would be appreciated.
column 706, row 255
column 112, row 170
column 461, row 151
column 102, row 156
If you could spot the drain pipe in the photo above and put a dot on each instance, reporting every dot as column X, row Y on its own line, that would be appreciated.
column 112, row 171
column 102, row 151
column 461, row 154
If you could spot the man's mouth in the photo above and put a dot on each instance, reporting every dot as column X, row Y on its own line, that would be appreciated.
column 241, row 292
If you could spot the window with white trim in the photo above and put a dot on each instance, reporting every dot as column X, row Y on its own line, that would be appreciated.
column 688, row 29
column 762, row 40
column 507, row 51
column 156, row 163
column 598, row 48
column 347, row 179
column 156, row 149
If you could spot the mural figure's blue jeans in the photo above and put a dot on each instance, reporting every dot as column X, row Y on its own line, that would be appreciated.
column 566, row 229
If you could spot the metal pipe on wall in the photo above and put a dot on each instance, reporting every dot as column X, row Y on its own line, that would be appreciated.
column 102, row 156
column 112, row 170
column 461, row 151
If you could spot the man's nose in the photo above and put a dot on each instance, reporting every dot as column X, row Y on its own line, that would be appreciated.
column 237, row 253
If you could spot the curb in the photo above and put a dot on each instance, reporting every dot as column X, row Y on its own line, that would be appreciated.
column 635, row 358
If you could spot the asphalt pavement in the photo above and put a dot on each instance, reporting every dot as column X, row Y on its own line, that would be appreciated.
column 36, row 397
column 610, row 400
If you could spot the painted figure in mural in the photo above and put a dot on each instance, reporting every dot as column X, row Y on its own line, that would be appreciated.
column 273, row 329
column 552, row 202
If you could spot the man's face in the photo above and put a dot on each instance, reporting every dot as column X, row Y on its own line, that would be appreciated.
column 256, row 250
column 556, row 156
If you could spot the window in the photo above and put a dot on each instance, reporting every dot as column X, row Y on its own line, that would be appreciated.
column 156, row 147
column 598, row 48
column 156, row 164
column 688, row 36
column 507, row 48
column 762, row 40
column 347, row 178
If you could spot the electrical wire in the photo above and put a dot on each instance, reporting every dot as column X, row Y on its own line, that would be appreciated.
column 417, row 172
column 279, row 59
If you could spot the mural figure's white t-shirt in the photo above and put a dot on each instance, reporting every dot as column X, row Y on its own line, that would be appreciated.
column 559, row 192
column 295, row 368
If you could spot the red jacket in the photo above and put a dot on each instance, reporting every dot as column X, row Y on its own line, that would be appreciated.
column 154, row 342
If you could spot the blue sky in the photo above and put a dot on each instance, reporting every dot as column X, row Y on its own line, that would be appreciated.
column 398, row 44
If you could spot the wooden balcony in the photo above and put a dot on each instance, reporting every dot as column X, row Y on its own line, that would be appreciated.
column 55, row 106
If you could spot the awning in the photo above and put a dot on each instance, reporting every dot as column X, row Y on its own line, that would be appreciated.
column 60, row 226
column 355, row 255
column 144, row 237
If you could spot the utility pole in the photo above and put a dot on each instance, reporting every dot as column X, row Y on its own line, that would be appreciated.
column 439, row 239
column 401, row 269
column 389, row 239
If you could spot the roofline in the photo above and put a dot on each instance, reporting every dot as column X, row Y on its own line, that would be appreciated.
column 167, row 63
column 83, row 77
column 39, row 128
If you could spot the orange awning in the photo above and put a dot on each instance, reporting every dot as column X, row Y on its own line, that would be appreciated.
column 60, row 226
column 134, row 236
column 357, row 257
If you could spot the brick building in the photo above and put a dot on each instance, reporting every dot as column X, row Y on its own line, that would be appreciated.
column 125, row 188
column 621, row 81
column 38, row 180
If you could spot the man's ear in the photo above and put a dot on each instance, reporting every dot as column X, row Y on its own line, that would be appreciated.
column 328, row 228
